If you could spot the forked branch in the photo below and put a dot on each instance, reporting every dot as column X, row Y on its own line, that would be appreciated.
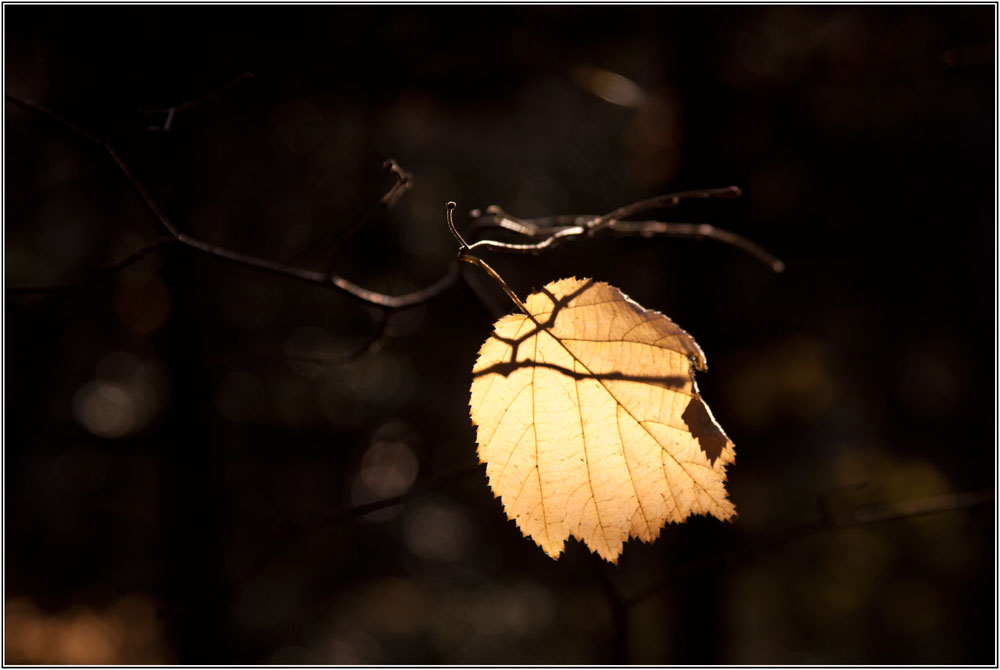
column 175, row 236
column 549, row 231
column 554, row 230
column 907, row 509
column 170, row 113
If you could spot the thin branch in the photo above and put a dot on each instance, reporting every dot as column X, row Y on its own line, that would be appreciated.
column 414, row 491
column 404, row 182
column 914, row 508
column 495, row 216
column 449, row 208
column 669, row 200
column 336, row 518
column 698, row 231
column 557, row 229
column 550, row 241
column 171, row 111
column 863, row 517
column 371, row 343
column 554, row 235
column 143, row 193
column 399, row 188
column 309, row 276
column 32, row 106
column 102, row 271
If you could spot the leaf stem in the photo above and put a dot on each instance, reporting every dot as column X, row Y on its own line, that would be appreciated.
column 469, row 258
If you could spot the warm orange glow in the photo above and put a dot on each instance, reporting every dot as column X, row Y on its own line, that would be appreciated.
column 126, row 631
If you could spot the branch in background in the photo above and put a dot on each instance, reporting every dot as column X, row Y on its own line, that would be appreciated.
column 668, row 200
column 309, row 276
column 171, row 112
column 862, row 517
column 877, row 514
column 374, row 342
column 699, row 231
column 299, row 530
column 555, row 230
column 416, row 490
column 403, row 183
column 420, row 488
column 622, row 604
column 103, row 271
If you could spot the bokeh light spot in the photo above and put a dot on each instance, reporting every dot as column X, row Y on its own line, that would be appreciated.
column 105, row 409
column 437, row 532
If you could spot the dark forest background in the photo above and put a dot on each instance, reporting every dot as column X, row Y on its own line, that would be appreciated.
column 175, row 470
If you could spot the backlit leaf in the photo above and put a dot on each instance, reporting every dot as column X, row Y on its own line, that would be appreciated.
column 590, row 423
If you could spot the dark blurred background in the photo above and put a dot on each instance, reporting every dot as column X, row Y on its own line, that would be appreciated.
column 172, row 477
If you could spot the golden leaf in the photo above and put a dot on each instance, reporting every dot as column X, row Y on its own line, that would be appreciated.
column 590, row 423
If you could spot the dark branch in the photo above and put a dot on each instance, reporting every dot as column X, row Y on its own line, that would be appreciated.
column 404, row 182
column 669, row 200
column 416, row 490
column 309, row 276
column 171, row 112
column 143, row 193
column 878, row 514
column 554, row 230
column 374, row 341
column 698, row 231
column 449, row 209
column 103, row 271
column 45, row 111
column 553, row 234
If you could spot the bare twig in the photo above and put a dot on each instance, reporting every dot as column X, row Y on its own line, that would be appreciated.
column 102, row 271
column 698, row 231
column 449, row 207
column 495, row 217
column 371, row 343
column 308, row 276
column 668, row 200
column 330, row 519
column 32, row 106
column 475, row 260
column 878, row 514
column 913, row 508
column 416, row 490
column 554, row 238
column 171, row 112
column 557, row 229
column 404, row 182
